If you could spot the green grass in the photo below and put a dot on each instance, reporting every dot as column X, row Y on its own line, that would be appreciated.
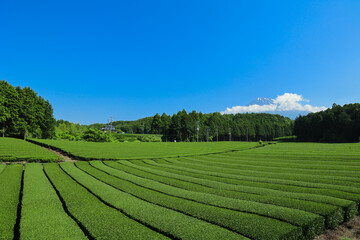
column 17, row 150
column 2, row 167
column 139, row 150
column 10, row 182
column 42, row 207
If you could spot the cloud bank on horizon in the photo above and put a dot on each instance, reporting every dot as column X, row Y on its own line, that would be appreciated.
column 283, row 103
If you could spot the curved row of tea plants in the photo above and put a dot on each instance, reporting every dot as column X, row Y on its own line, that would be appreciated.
column 172, row 223
column 100, row 220
column 311, row 224
column 257, row 227
column 350, row 207
column 333, row 214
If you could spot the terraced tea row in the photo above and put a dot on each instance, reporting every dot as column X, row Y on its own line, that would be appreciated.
column 12, row 150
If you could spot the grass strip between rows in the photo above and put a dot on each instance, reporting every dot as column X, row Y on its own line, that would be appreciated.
column 178, row 225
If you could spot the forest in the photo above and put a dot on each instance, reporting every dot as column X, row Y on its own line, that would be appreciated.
column 336, row 124
column 24, row 114
column 185, row 126
column 182, row 126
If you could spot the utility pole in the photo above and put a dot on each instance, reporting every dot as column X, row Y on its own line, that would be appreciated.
column 4, row 130
column 207, row 134
column 111, row 124
column 197, row 130
column 143, row 128
column 230, row 134
column 247, row 134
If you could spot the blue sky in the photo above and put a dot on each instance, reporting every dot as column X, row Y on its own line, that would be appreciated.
column 132, row 59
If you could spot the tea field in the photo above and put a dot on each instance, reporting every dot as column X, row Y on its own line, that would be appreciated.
column 12, row 150
column 180, row 191
column 139, row 150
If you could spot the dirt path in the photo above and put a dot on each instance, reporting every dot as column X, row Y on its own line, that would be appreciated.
column 63, row 157
column 348, row 230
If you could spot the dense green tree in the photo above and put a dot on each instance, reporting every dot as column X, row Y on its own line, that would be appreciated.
column 69, row 130
column 252, row 126
column 156, row 124
column 336, row 124
column 165, row 122
column 93, row 135
column 23, row 113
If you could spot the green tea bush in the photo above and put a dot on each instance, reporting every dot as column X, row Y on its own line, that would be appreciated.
column 10, row 183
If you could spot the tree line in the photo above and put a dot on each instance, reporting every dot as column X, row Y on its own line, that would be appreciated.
column 336, row 124
column 196, row 126
column 24, row 114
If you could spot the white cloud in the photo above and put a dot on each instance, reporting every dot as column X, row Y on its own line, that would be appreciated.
column 252, row 108
column 285, row 102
